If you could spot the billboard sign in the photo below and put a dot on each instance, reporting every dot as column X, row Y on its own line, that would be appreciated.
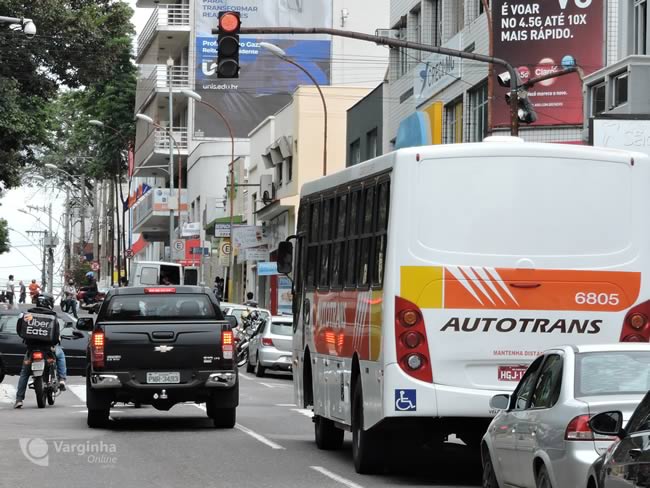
column 543, row 37
column 438, row 71
column 265, row 82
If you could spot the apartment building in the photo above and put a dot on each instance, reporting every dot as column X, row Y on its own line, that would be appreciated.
column 176, row 52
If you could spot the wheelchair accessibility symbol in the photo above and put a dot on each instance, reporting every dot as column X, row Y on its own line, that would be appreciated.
column 406, row 400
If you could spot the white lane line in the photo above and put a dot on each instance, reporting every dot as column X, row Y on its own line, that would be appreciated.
column 79, row 391
column 253, row 434
column 7, row 393
column 303, row 411
column 285, row 404
column 268, row 385
column 246, row 377
column 336, row 477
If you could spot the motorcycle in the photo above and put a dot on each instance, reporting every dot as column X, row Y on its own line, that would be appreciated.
column 244, row 334
column 42, row 364
column 91, row 306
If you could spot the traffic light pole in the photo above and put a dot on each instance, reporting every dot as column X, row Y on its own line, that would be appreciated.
column 398, row 43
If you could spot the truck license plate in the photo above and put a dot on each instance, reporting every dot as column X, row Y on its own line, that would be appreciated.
column 511, row 373
column 161, row 378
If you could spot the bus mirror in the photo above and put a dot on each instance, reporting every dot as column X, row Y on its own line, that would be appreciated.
column 285, row 257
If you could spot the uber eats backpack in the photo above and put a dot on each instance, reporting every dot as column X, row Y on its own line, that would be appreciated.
column 38, row 325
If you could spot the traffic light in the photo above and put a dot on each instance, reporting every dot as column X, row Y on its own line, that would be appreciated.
column 228, row 41
column 525, row 110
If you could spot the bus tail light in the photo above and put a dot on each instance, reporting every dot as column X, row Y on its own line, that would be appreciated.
column 636, row 326
column 97, row 344
column 411, row 341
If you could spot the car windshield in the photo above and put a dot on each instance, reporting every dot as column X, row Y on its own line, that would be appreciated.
column 612, row 373
column 281, row 328
column 163, row 307
column 8, row 324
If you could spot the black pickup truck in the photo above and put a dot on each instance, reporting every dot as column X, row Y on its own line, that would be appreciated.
column 161, row 346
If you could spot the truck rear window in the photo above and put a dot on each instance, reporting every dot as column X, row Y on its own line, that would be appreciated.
column 161, row 307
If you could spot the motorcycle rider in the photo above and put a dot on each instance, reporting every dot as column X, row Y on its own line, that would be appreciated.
column 91, row 293
column 25, row 370
column 69, row 295
column 34, row 290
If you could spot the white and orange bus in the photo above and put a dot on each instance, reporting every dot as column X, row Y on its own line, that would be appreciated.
column 426, row 280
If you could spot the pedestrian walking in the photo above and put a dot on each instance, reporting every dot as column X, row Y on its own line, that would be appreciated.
column 10, row 292
column 23, row 292
column 34, row 290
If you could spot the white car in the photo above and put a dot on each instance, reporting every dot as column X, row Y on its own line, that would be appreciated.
column 541, row 438
column 270, row 346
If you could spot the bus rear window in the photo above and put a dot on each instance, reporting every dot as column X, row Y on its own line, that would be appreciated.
column 161, row 307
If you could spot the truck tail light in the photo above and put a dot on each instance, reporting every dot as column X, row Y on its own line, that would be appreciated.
column 579, row 430
column 411, row 341
column 266, row 341
column 227, row 342
column 160, row 290
column 97, row 343
column 636, row 324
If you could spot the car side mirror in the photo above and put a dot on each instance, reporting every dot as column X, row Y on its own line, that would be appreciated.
column 232, row 320
column 85, row 323
column 500, row 402
column 285, row 257
column 608, row 424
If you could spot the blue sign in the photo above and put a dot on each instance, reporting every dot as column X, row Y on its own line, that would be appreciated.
column 406, row 400
column 267, row 269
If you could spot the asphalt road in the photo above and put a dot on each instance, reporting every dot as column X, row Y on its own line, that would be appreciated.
column 272, row 446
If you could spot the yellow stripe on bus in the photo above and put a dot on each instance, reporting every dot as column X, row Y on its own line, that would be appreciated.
column 422, row 285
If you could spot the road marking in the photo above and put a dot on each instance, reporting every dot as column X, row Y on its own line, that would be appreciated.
column 336, row 477
column 7, row 393
column 304, row 411
column 79, row 391
column 249, row 432
column 285, row 404
column 246, row 377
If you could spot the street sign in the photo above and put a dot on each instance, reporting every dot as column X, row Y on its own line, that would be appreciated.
column 225, row 248
column 129, row 254
column 94, row 266
column 178, row 249
column 267, row 269
column 222, row 230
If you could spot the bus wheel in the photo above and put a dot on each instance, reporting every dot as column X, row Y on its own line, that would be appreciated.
column 366, row 447
column 328, row 436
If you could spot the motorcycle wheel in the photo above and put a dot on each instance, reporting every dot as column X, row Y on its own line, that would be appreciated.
column 40, row 391
column 243, row 359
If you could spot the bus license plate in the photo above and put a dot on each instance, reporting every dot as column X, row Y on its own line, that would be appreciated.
column 162, row 378
column 511, row 373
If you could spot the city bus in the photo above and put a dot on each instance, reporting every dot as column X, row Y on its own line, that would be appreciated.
column 427, row 279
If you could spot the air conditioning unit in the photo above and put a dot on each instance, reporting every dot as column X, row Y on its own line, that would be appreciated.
column 389, row 33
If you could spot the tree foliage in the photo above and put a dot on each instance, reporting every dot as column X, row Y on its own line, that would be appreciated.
column 4, row 236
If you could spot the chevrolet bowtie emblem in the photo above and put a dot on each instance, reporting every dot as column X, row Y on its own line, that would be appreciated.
column 163, row 348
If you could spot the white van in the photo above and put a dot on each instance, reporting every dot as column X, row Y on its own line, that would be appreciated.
column 153, row 273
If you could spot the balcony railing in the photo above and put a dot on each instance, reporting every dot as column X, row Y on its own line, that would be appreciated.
column 163, row 16
column 158, row 202
column 158, row 141
column 156, row 77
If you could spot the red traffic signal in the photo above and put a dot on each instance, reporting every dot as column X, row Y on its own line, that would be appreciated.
column 229, row 22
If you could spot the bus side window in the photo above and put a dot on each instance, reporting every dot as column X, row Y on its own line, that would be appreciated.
column 325, row 242
column 351, row 248
column 312, row 245
column 381, row 227
column 365, row 243
column 338, row 247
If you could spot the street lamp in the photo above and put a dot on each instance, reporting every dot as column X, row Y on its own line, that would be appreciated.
column 26, row 25
column 150, row 121
column 279, row 52
column 196, row 97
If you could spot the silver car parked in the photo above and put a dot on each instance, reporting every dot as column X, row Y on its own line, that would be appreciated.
column 270, row 346
column 541, row 436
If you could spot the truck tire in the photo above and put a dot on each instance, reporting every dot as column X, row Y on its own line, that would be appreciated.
column 328, row 436
column 366, row 447
column 40, row 391
column 224, row 418
column 98, row 418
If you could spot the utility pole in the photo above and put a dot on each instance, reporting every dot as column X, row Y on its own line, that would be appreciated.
column 50, row 251
column 66, row 238
column 170, row 71
column 110, row 211
column 82, row 215
column 104, row 230
column 96, row 223
column 43, row 241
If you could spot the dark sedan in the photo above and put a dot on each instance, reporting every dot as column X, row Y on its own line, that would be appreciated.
column 626, row 464
column 12, row 348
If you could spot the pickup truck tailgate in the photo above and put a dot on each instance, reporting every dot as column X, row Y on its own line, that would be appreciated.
column 163, row 346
